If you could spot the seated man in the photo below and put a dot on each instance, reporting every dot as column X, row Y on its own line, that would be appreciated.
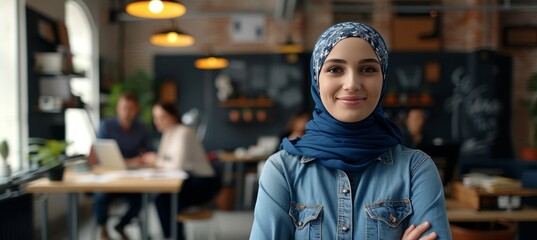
column 133, row 141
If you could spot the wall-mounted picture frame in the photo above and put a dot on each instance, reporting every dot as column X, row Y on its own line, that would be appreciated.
column 46, row 31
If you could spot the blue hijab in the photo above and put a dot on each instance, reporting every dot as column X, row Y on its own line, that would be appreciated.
column 341, row 145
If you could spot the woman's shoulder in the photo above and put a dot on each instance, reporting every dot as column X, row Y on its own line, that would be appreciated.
column 409, row 155
column 284, row 160
column 182, row 129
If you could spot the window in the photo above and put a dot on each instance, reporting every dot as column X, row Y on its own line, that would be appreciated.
column 85, row 84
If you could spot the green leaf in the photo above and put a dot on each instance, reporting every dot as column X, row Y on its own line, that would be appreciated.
column 4, row 150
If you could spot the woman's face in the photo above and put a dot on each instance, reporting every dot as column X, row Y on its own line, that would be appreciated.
column 162, row 119
column 350, row 81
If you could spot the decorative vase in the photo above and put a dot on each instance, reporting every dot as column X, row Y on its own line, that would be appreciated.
column 5, row 170
column 56, row 173
column 528, row 154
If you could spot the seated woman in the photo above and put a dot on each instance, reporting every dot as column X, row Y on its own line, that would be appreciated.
column 180, row 149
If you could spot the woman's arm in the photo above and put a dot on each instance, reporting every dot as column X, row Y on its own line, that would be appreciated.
column 427, row 196
column 271, row 218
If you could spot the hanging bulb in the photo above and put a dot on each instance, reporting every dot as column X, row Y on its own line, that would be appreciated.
column 156, row 6
column 159, row 9
column 211, row 62
column 172, row 38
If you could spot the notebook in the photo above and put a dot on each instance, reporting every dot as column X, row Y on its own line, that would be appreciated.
column 108, row 154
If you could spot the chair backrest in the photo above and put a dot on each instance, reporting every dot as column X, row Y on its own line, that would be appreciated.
column 529, row 180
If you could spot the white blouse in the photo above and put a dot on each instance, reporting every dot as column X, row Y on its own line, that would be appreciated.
column 180, row 149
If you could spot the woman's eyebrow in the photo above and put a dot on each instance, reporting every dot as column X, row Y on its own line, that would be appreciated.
column 367, row 60
column 335, row 60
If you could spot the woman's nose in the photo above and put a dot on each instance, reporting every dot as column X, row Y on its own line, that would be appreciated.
column 352, row 82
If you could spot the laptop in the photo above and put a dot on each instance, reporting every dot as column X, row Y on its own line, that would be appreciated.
column 108, row 154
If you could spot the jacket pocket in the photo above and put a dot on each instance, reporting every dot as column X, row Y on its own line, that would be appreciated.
column 384, row 218
column 307, row 220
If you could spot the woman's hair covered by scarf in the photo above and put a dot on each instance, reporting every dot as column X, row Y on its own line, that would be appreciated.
column 343, row 145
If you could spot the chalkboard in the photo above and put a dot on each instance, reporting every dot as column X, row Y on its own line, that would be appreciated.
column 471, row 95
column 252, row 76
column 471, row 99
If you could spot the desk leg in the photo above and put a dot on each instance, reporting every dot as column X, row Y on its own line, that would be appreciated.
column 145, row 200
column 73, row 215
column 228, row 173
column 175, row 204
column 44, row 215
column 239, row 186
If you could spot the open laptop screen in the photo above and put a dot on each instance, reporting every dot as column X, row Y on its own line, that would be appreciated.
column 108, row 154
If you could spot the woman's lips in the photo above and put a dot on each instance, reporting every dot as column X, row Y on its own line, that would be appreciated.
column 352, row 99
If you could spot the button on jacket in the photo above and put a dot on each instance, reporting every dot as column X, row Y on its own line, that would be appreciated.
column 300, row 199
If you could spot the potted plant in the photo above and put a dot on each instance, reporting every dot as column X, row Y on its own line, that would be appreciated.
column 139, row 83
column 530, row 152
column 49, row 154
column 5, row 169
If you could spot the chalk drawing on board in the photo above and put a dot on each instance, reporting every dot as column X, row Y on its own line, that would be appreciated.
column 409, row 77
column 285, row 85
column 474, row 114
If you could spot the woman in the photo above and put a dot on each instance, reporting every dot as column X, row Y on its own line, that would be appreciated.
column 296, row 126
column 412, row 130
column 180, row 149
column 349, row 177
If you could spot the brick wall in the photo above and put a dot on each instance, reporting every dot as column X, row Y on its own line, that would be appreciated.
column 467, row 24
column 209, row 23
column 524, row 65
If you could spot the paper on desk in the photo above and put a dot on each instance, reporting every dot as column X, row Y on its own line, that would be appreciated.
column 100, row 178
column 135, row 173
column 153, row 173
column 162, row 173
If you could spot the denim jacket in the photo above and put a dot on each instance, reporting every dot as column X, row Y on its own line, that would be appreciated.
column 301, row 199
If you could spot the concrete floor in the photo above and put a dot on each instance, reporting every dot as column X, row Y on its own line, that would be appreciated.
column 225, row 225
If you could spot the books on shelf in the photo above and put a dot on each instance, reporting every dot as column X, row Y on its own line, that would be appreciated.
column 491, row 183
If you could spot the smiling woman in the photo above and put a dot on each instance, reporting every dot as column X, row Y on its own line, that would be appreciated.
column 348, row 176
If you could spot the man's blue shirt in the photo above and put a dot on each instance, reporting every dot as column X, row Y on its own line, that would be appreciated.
column 132, row 142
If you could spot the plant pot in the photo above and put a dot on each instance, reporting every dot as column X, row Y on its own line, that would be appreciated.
column 528, row 154
column 56, row 173
column 483, row 230
column 5, row 170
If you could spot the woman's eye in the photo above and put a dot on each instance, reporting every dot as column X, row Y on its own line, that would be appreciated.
column 368, row 69
column 333, row 69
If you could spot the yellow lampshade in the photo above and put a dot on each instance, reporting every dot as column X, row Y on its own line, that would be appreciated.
column 156, row 9
column 172, row 38
column 211, row 63
column 290, row 47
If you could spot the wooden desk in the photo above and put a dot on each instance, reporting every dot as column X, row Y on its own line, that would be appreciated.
column 72, row 186
column 230, row 159
column 458, row 213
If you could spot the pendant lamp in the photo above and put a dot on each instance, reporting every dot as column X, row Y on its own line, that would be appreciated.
column 159, row 9
column 211, row 62
column 290, row 47
column 172, row 38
